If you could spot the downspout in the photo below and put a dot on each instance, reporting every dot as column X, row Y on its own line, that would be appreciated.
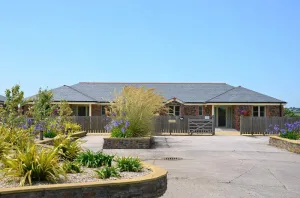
column 280, row 109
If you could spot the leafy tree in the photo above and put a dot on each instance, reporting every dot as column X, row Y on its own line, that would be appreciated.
column 289, row 113
column 64, row 111
column 11, row 114
column 42, row 107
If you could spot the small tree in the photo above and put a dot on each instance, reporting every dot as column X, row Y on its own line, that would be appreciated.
column 64, row 111
column 42, row 108
column 11, row 113
column 134, row 109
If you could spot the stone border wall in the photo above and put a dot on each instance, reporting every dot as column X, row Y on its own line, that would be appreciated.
column 127, row 143
column 290, row 145
column 49, row 141
column 148, row 186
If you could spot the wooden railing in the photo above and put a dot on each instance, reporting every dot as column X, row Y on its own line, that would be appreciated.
column 259, row 125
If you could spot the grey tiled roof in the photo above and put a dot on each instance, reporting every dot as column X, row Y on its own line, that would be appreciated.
column 186, row 92
column 243, row 95
column 2, row 98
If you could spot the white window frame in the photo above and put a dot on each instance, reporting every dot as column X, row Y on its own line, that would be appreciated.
column 259, row 110
column 200, row 112
column 173, row 106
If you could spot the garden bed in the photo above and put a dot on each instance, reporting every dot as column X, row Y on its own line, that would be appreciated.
column 151, row 182
column 290, row 145
column 128, row 143
column 49, row 141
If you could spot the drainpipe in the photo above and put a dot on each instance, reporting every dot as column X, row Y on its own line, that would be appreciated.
column 280, row 109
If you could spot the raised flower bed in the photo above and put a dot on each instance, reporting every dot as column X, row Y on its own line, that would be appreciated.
column 289, row 136
column 128, row 143
column 146, row 184
column 132, row 115
column 284, row 143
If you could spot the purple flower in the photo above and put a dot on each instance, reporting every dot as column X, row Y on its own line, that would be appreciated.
column 113, row 114
column 127, row 124
column 123, row 130
column 115, row 123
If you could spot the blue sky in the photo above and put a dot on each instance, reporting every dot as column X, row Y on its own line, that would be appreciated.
column 254, row 44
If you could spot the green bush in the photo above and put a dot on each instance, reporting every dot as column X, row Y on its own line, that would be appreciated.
column 117, row 133
column 71, row 167
column 68, row 149
column 4, row 147
column 49, row 134
column 33, row 164
column 129, row 164
column 16, row 136
column 92, row 159
column 290, row 135
column 107, row 172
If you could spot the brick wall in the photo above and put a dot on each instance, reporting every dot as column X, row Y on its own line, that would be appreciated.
column 274, row 111
column 96, row 110
column 207, row 110
column 191, row 110
column 236, row 114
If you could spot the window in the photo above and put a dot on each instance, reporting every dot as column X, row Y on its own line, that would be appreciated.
column 174, row 110
column 81, row 111
column 103, row 110
column 258, row 111
column 200, row 110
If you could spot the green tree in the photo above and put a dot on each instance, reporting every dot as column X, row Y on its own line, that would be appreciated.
column 289, row 113
column 42, row 107
column 11, row 114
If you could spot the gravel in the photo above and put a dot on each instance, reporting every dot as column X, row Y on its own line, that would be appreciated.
column 88, row 175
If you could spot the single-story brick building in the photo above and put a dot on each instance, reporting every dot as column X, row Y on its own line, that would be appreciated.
column 224, row 101
column 2, row 100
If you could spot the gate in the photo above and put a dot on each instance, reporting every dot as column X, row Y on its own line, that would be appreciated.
column 184, row 125
column 201, row 126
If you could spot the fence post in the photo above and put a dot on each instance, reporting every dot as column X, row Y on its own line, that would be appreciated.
column 252, row 132
column 241, row 125
column 213, row 125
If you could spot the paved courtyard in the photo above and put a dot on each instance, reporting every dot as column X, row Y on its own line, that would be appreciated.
column 220, row 166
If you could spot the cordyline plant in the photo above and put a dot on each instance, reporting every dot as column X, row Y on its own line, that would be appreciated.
column 133, row 111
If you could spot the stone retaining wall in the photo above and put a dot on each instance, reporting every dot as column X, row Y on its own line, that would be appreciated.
column 127, row 143
column 49, row 141
column 148, row 186
column 290, row 145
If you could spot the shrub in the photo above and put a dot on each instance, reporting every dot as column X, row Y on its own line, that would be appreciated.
column 137, row 106
column 107, row 172
column 72, row 126
column 92, row 159
column 17, row 137
column 4, row 147
column 49, row 134
column 34, row 164
column 129, row 164
column 71, row 167
column 291, row 130
column 68, row 149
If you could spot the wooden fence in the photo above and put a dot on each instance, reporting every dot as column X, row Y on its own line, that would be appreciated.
column 162, row 125
column 168, row 125
column 92, row 124
column 259, row 125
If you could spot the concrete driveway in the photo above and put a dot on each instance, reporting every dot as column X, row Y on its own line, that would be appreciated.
column 220, row 166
